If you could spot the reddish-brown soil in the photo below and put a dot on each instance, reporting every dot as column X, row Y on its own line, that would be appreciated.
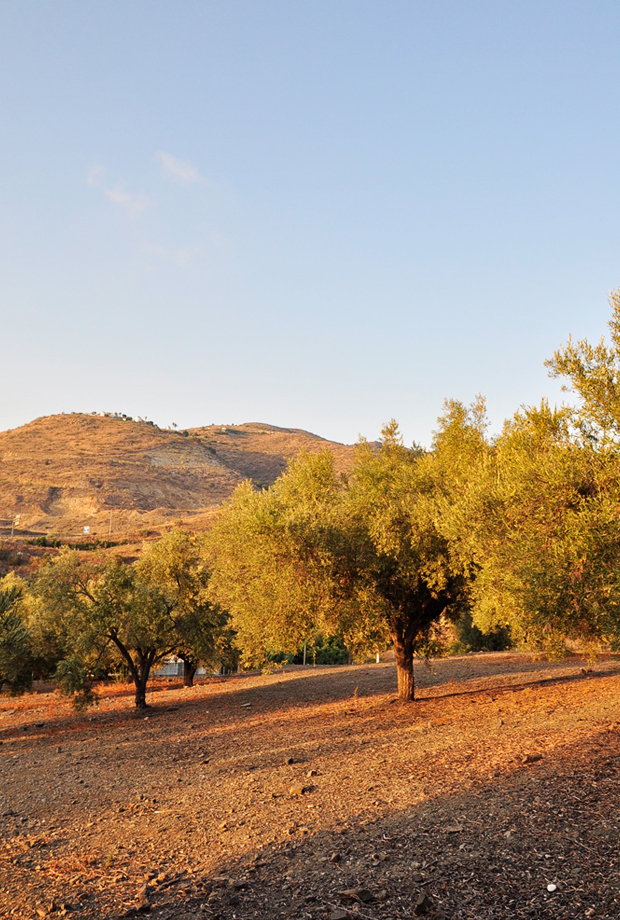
column 271, row 796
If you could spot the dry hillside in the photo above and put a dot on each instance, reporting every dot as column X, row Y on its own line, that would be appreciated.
column 260, row 452
column 65, row 472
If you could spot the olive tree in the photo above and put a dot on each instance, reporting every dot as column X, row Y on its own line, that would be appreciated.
column 361, row 555
column 104, row 612
column 541, row 518
column 176, row 566
column 15, row 640
column 272, row 557
column 544, row 529
column 407, row 569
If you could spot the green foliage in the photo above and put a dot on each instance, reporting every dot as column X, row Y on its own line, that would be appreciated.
column 469, row 638
column 45, row 541
column 15, row 645
column 176, row 566
column 593, row 375
column 329, row 650
column 361, row 557
column 324, row 650
column 75, row 680
column 271, row 560
column 97, row 612
column 408, row 567
column 90, row 617
column 544, row 529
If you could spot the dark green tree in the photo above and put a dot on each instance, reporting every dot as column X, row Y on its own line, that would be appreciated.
column 103, row 613
column 176, row 566
column 15, row 644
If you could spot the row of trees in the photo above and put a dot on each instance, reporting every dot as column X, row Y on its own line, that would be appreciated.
column 519, row 532
column 81, row 618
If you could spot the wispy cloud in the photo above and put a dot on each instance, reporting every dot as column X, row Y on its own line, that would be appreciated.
column 133, row 204
column 95, row 176
column 179, row 169
column 180, row 257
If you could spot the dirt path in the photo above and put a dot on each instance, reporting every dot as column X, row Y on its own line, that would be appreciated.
column 270, row 796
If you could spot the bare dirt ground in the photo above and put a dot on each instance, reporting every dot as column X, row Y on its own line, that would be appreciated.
column 313, row 794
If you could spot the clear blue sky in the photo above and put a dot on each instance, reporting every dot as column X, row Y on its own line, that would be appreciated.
column 315, row 213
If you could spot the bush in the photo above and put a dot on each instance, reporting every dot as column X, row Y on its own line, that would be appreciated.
column 471, row 639
column 15, row 652
column 324, row 650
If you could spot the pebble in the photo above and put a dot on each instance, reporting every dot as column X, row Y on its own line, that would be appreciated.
column 423, row 904
column 355, row 895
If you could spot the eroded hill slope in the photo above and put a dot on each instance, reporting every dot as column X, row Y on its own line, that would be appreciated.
column 62, row 473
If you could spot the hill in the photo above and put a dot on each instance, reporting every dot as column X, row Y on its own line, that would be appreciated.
column 261, row 452
column 62, row 473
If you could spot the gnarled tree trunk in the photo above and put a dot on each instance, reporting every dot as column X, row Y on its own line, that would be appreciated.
column 140, row 696
column 189, row 672
column 140, row 670
column 403, row 653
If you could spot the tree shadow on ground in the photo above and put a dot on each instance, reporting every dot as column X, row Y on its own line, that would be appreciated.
column 488, row 852
column 539, row 842
column 239, row 697
column 480, row 843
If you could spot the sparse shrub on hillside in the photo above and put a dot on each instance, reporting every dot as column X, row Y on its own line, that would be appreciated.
column 46, row 540
column 10, row 558
column 91, row 546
